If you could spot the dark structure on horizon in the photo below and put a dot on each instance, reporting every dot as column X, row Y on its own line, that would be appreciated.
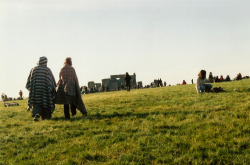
column 114, row 83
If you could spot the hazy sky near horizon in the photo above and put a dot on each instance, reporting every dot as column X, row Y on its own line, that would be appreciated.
column 168, row 39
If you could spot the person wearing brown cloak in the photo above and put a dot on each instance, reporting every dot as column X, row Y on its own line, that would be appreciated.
column 68, row 90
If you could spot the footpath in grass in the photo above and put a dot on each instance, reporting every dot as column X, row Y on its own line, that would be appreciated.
column 169, row 125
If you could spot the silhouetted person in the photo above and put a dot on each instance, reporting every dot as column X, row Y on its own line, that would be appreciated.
column 216, row 79
column 210, row 75
column 183, row 82
column 127, row 79
column 239, row 76
column 192, row 81
column 160, row 83
column 227, row 78
column 221, row 78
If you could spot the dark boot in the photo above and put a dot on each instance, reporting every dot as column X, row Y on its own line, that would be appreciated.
column 73, row 109
column 66, row 111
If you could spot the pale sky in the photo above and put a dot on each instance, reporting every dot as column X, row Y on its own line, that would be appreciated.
column 168, row 39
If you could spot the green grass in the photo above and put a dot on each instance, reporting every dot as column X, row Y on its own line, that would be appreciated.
column 169, row 125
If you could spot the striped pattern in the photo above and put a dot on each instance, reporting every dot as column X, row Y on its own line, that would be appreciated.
column 42, row 61
column 41, row 85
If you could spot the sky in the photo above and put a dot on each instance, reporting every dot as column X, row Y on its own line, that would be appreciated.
column 168, row 39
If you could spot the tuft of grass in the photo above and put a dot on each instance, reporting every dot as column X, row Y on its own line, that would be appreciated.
column 169, row 125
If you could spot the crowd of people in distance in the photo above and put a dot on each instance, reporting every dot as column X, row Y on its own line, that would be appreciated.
column 202, row 86
column 156, row 83
column 44, row 92
column 4, row 97
column 159, row 83
column 215, row 79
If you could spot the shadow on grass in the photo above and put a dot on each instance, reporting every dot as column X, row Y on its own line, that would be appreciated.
column 129, row 114
column 104, row 116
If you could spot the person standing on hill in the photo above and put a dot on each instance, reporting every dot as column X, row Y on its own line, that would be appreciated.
column 127, row 79
column 21, row 94
column 160, row 83
column 68, row 91
column 41, row 86
column 201, row 85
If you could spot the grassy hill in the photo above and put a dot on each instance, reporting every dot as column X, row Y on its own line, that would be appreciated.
column 169, row 125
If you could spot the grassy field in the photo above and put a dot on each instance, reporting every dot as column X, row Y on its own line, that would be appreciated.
column 169, row 125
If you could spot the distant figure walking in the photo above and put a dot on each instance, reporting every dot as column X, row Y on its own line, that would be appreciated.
column 68, row 91
column 160, row 83
column 201, row 80
column 127, row 79
column 21, row 94
column 192, row 81
column 41, row 86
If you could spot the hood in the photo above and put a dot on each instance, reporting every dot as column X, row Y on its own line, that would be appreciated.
column 42, row 61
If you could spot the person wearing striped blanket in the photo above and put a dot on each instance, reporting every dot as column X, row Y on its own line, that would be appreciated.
column 42, row 88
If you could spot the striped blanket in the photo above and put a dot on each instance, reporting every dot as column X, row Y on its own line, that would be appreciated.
column 41, row 85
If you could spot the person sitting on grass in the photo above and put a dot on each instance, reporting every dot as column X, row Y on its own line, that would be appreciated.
column 183, row 82
column 216, row 79
column 227, row 78
column 239, row 76
column 210, row 77
column 221, row 78
column 201, row 85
